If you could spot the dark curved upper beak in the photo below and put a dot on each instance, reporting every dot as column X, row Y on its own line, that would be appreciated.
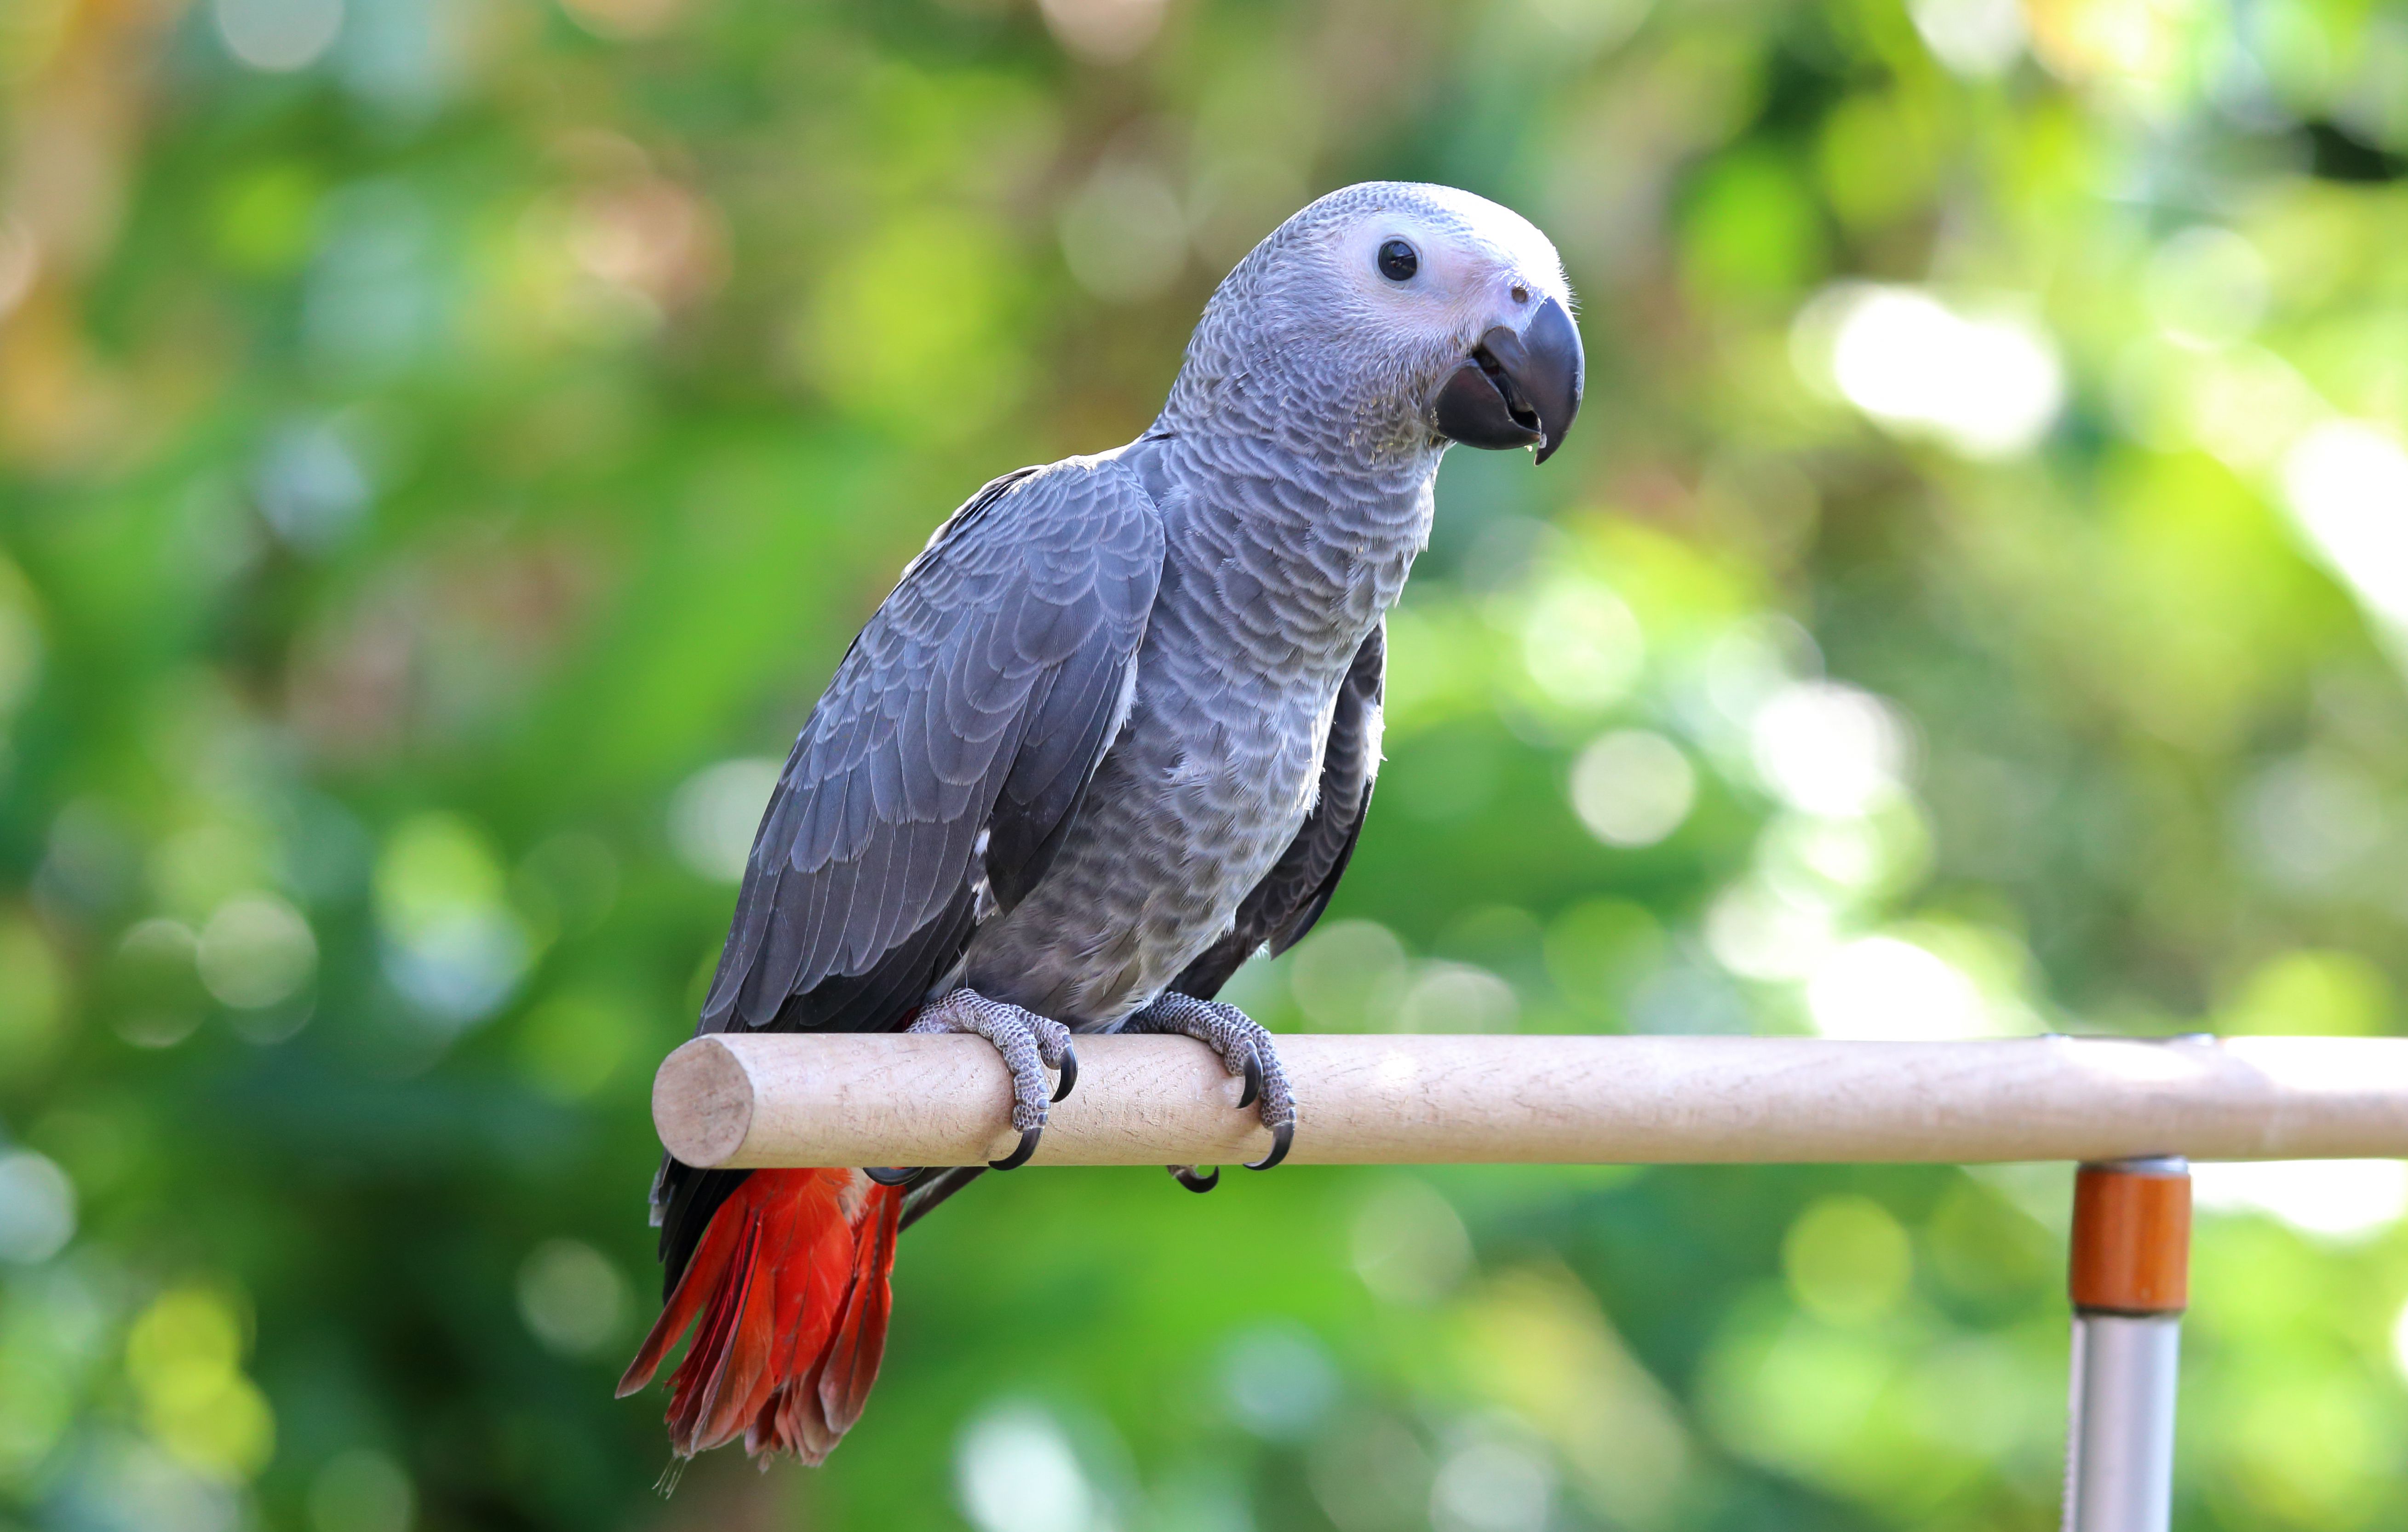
column 1516, row 390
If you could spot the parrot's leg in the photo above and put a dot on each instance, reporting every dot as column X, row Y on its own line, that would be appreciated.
column 1245, row 1049
column 1030, row 1045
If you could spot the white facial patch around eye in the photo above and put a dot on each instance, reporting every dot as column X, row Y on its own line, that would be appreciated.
column 1436, row 265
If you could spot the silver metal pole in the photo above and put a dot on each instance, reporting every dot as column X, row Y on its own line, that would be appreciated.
column 2120, row 1449
column 2129, row 1281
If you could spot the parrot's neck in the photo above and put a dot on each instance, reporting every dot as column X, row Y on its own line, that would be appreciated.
column 1274, row 414
column 1294, row 488
column 1300, row 552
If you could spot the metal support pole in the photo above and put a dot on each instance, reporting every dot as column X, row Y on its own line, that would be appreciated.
column 2129, row 1280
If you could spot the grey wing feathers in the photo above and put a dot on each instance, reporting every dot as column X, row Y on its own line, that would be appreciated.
column 1281, row 908
column 977, row 701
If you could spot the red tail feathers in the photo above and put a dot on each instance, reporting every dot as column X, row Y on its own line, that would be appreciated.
column 791, row 1284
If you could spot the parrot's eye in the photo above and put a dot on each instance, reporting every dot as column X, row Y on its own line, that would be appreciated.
column 1397, row 261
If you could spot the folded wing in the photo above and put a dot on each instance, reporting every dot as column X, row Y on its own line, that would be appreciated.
column 938, row 772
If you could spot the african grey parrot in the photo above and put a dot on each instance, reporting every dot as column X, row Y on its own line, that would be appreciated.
column 1113, row 732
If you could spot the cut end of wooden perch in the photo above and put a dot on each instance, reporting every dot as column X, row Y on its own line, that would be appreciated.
column 702, row 1103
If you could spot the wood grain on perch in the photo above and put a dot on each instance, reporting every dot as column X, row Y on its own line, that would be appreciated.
column 880, row 1099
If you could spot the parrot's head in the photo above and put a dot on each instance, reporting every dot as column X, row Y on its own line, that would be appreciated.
column 1420, row 312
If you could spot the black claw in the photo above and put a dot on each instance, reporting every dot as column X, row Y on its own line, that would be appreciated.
column 1282, row 1137
column 1019, row 1158
column 1254, row 1079
column 1069, row 1073
column 890, row 1175
column 1185, row 1175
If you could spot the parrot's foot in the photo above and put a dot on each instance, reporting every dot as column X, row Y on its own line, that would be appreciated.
column 1030, row 1045
column 1194, row 1180
column 1245, row 1049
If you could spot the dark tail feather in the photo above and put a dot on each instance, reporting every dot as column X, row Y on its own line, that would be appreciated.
column 929, row 1188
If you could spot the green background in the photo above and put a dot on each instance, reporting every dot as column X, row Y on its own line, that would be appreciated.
column 445, row 445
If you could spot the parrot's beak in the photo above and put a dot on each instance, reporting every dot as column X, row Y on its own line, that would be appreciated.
column 1515, row 390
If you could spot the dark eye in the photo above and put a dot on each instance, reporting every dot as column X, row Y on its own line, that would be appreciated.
column 1397, row 261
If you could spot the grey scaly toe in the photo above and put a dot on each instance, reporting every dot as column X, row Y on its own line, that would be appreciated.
column 1245, row 1049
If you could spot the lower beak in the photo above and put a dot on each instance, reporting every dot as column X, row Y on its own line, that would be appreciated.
column 1515, row 390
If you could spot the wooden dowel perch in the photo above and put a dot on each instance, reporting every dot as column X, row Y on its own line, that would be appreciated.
column 886, row 1099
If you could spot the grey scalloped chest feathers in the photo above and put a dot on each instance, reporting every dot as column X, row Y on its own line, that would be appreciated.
column 1271, row 587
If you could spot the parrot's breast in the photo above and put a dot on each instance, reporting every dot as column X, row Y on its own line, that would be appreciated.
column 1258, row 618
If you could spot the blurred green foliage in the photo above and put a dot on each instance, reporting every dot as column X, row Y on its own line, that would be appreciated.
column 445, row 444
